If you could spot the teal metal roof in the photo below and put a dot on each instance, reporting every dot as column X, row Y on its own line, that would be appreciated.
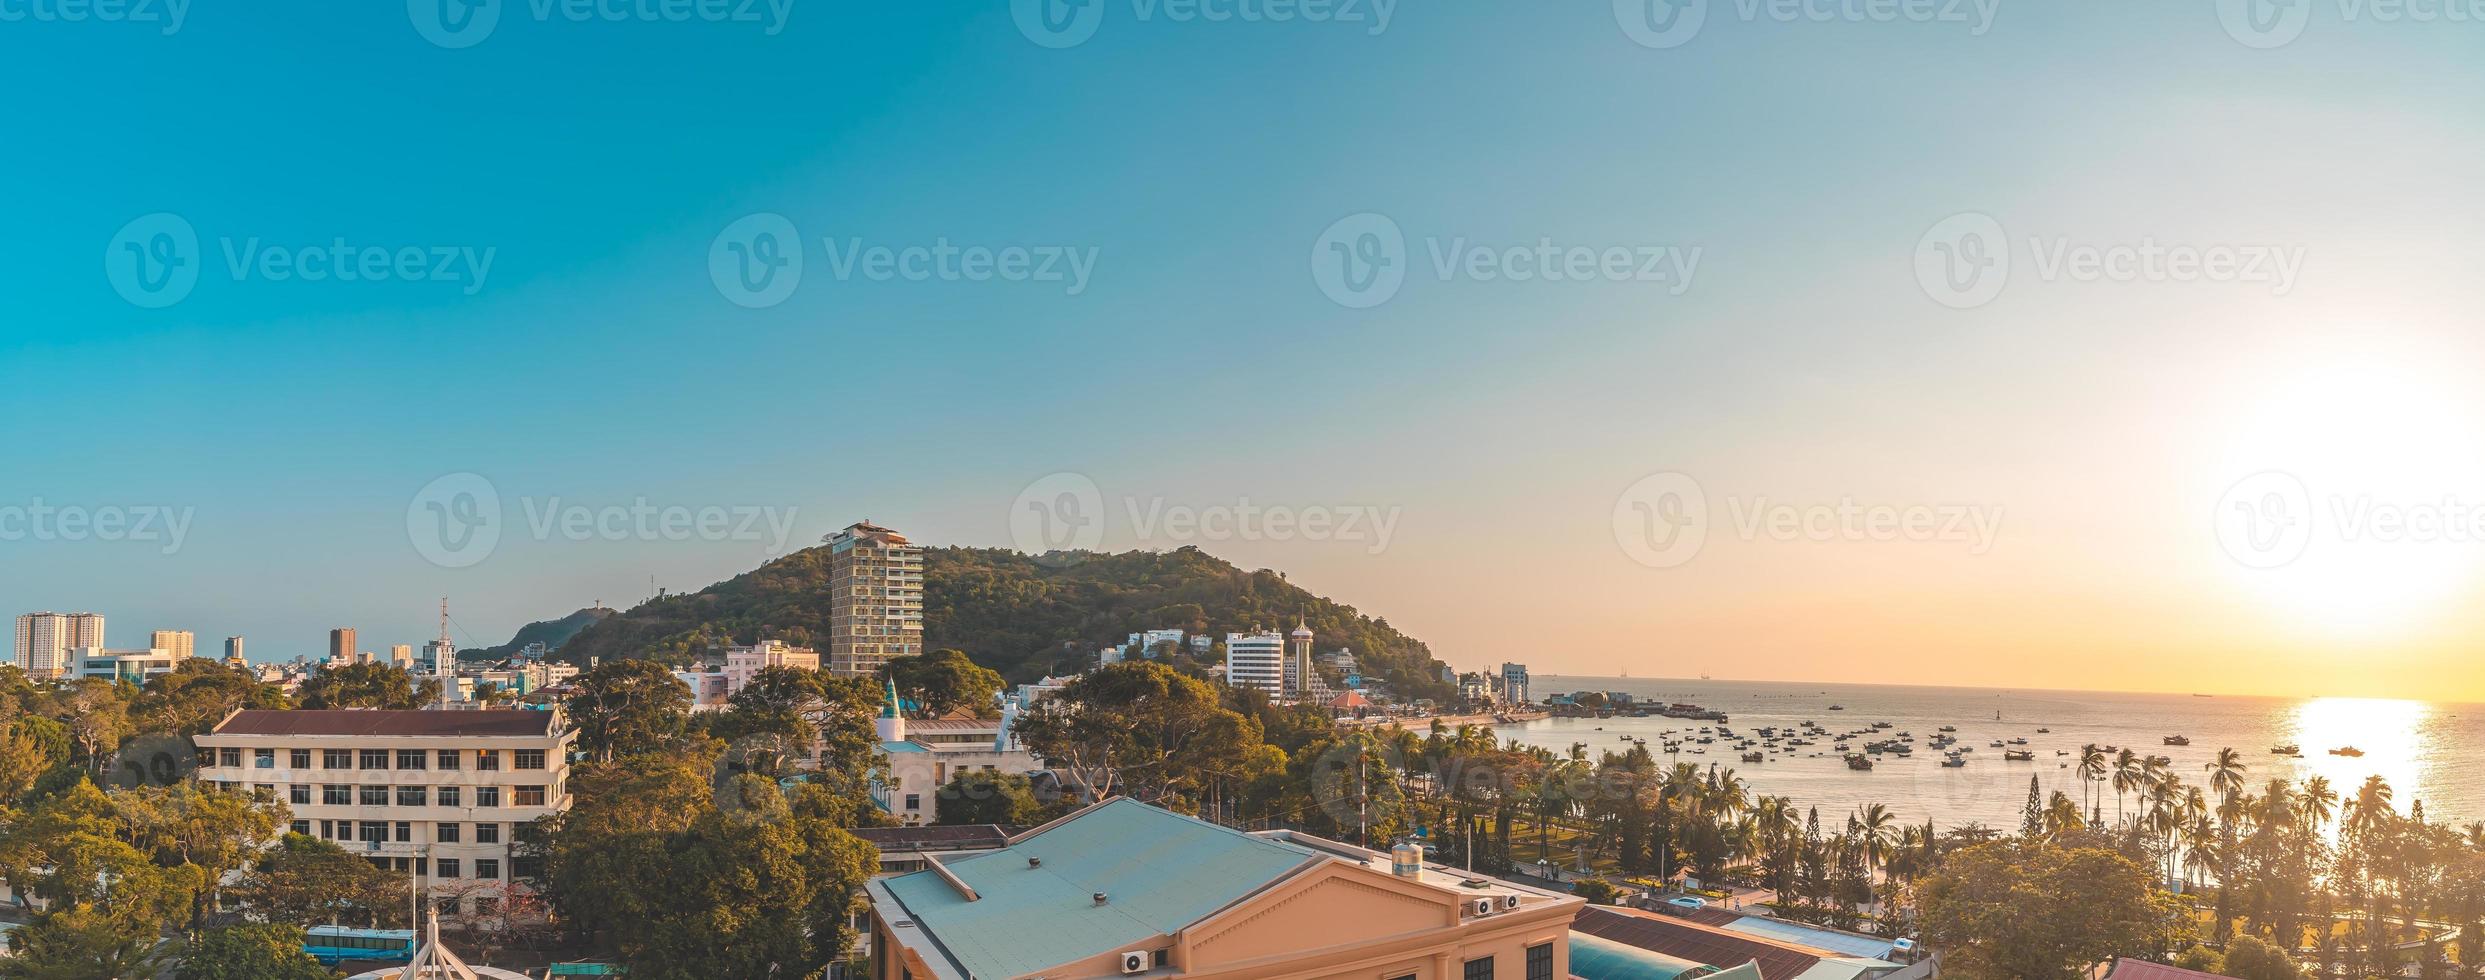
column 896, row 747
column 1598, row 958
column 1161, row 872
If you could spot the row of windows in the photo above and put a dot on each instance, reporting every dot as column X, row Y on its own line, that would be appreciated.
column 299, row 794
column 447, row 760
column 1539, row 965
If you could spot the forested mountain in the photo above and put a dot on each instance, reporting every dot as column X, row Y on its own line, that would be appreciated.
column 1015, row 614
column 552, row 633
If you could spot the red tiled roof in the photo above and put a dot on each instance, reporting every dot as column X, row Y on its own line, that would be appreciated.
column 382, row 723
column 2127, row 968
column 1692, row 941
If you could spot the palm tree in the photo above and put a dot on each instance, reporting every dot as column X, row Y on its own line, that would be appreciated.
column 2128, row 776
column 2371, row 810
column 2226, row 773
column 2062, row 816
column 1872, row 828
column 2317, row 803
column 2092, row 771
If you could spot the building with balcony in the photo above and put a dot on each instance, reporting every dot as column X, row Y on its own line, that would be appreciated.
column 1122, row 888
column 875, row 588
column 1256, row 660
column 442, row 796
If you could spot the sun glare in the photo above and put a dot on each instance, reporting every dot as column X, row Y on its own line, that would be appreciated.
column 2390, row 734
column 2377, row 465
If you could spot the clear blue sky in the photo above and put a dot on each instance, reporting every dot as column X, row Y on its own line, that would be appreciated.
column 597, row 362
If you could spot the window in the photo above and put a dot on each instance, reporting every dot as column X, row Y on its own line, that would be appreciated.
column 375, row 758
column 449, row 796
column 298, row 759
column 448, row 760
column 263, row 758
column 487, row 868
column 527, row 759
column 375, row 796
column 336, row 758
column 530, row 796
column 411, row 758
column 336, row 795
column 1540, row 962
column 298, row 795
column 487, row 796
column 487, row 833
column 487, row 760
column 914, row 801
column 373, row 832
column 448, row 867
column 405, row 832
column 302, row 827
column 327, row 830
column 263, row 792
column 229, row 757
column 448, row 833
column 412, row 795
column 1480, row 969
column 526, row 868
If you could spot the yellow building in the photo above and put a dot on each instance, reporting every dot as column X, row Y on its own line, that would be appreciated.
column 1126, row 889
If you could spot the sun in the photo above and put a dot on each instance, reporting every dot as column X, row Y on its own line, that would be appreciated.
column 2355, row 492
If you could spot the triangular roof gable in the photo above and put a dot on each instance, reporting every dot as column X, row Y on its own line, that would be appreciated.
column 1387, row 906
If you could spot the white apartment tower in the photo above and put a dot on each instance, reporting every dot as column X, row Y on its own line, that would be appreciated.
column 875, row 588
column 44, row 640
column 1256, row 660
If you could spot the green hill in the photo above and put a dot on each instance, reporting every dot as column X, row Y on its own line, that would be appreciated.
column 552, row 633
column 1014, row 614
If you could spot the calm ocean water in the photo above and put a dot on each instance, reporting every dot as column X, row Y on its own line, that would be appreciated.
column 2429, row 752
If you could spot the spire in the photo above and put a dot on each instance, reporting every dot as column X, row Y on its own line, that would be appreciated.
column 889, row 710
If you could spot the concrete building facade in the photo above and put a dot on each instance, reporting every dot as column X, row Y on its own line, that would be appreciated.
column 875, row 612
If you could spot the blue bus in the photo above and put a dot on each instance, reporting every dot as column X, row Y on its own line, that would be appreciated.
column 331, row 945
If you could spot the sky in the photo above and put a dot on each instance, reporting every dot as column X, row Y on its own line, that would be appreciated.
column 2121, row 346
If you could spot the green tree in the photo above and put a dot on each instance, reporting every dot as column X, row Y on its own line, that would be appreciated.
column 945, row 680
column 1597, row 891
column 197, row 694
column 2250, row 958
column 976, row 797
column 2013, row 909
column 305, row 880
column 624, row 707
column 250, row 951
column 80, row 943
column 367, row 685
column 1146, row 731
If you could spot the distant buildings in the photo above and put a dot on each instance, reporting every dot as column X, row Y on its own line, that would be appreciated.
column 341, row 645
column 134, row 666
column 45, row 640
column 401, row 656
column 439, row 795
column 1123, row 888
column 1146, row 644
column 712, row 688
column 179, row 643
column 875, row 612
column 1514, row 683
column 1256, row 660
column 233, row 651
column 924, row 754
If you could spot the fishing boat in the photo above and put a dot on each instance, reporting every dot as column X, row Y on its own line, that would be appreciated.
column 2349, row 751
column 1949, row 728
column 1953, row 761
column 2178, row 740
column 1859, row 763
column 2288, row 749
column 1753, row 757
column 1837, row 707
column 2044, row 731
column 2014, row 755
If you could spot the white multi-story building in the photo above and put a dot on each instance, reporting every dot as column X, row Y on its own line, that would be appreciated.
column 875, row 599
column 179, row 643
column 45, row 641
column 437, row 795
column 1147, row 642
column 744, row 663
column 134, row 666
column 925, row 754
column 1256, row 660
column 1514, row 683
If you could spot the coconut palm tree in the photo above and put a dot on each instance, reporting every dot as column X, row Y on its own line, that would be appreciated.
column 2092, row 772
column 2062, row 815
column 2128, row 777
column 2226, row 773
column 1873, row 830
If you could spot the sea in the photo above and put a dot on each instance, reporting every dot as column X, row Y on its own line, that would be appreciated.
column 2433, row 752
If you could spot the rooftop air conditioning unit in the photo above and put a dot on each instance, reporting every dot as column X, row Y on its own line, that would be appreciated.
column 1509, row 903
column 1483, row 906
column 1136, row 961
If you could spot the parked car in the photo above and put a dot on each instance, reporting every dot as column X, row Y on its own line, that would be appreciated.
column 1687, row 903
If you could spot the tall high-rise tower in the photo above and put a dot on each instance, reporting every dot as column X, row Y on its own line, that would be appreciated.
column 233, row 651
column 341, row 644
column 875, row 604
column 179, row 643
column 1299, row 672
